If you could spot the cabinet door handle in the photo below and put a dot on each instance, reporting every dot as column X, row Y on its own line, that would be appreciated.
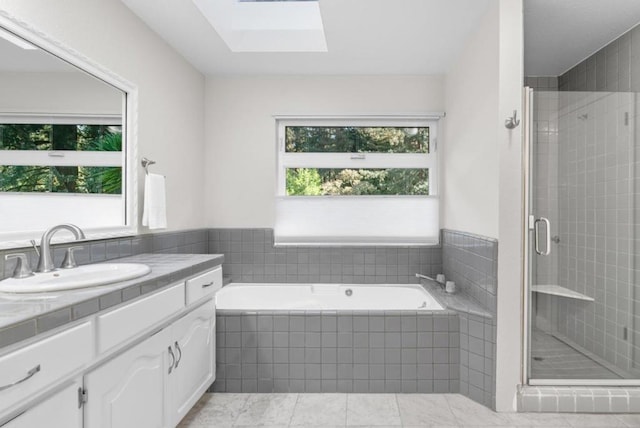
column 173, row 359
column 29, row 375
column 179, row 355
column 207, row 285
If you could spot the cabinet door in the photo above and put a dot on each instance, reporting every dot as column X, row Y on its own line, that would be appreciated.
column 59, row 411
column 194, row 334
column 131, row 389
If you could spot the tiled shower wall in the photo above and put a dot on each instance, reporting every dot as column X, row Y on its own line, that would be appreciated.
column 187, row 241
column 545, row 177
column 597, row 154
column 542, row 83
column 250, row 256
column 615, row 67
column 596, row 168
column 545, row 188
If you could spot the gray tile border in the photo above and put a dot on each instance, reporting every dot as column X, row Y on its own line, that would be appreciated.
column 307, row 360
column 17, row 332
column 52, row 320
column 578, row 399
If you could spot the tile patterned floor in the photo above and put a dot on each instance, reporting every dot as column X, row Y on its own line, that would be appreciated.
column 375, row 410
column 554, row 359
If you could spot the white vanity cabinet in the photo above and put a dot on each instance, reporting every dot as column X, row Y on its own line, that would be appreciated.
column 61, row 410
column 142, row 364
column 35, row 368
column 195, row 368
column 131, row 389
column 155, row 383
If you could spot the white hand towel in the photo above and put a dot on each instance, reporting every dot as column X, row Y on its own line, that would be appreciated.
column 155, row 206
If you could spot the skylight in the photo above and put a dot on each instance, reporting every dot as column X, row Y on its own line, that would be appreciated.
column 266, row 25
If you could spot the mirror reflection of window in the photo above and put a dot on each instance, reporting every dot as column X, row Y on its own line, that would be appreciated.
column 62, row 147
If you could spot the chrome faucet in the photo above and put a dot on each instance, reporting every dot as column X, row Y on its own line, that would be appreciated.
column 45, row 262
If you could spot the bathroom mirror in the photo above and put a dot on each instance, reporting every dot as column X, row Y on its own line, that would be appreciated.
column 66, row 146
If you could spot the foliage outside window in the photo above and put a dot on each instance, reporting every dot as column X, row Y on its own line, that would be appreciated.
column 352, row 160
column 46, row 158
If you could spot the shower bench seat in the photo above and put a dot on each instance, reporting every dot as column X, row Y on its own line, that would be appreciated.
column 557, row 290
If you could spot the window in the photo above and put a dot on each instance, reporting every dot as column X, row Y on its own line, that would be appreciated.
column 61, row 158
column 357, row 181
column 71, row 168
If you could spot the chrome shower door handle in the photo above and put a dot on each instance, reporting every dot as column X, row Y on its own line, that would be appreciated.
column 536, row 232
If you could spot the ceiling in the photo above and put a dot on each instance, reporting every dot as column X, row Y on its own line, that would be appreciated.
column 378, row 37
column 559, row 34
column 16, row 59
column 363, row 37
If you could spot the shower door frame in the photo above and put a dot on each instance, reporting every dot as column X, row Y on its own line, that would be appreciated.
column 528, row 171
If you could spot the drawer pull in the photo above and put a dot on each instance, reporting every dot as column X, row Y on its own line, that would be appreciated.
column 179, row 355
column 207, row 285
column 29, row 375
column 173, row 359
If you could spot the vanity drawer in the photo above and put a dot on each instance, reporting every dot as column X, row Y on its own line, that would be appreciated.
column 124, row 323
column 204, row 285
column 33, row 368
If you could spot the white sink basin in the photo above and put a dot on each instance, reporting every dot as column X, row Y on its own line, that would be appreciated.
column 79, row 277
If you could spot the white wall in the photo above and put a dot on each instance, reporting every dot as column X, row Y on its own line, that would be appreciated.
column 240, row 130
column 57, row 93
column 510, row 211
column 470, row 147
column 482, row 182
column 170, row 113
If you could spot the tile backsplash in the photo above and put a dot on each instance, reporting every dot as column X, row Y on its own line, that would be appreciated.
column 181, row 242
column 472, row 262
column 250, row 256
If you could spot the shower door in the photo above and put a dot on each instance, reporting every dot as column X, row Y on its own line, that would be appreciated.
column 581, row 241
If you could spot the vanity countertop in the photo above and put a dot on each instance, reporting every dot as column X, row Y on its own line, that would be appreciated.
column 23, row 316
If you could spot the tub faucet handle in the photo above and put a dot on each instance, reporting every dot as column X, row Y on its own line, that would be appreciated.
column 69, row 261
column 22, row 269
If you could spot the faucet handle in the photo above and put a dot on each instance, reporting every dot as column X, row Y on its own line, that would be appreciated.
column 69, row 261
column 22, row 269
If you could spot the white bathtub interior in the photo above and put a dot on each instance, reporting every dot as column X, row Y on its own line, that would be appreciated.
column 265, row 296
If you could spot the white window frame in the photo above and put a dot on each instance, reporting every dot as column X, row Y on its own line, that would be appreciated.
column 319, row 220
column 359, row 160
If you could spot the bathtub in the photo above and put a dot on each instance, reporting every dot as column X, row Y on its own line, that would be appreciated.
column 325, row 297
column 334, row 338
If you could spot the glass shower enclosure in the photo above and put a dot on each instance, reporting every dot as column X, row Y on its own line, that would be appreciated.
column 583, row 238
